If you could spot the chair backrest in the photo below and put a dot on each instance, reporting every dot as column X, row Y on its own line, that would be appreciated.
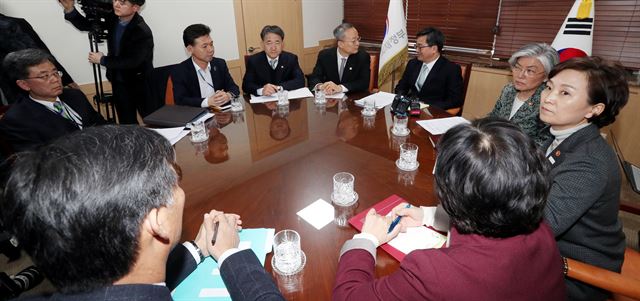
column 623, row 285
column 158, row 87
column 465, row 69
column 373, row 77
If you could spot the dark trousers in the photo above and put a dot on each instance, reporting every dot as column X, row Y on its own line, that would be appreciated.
column 128, row 98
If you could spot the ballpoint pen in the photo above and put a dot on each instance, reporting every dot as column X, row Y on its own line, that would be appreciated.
column 215, row 233
column 395, row 222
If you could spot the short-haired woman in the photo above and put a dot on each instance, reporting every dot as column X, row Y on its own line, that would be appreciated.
column 493, row 183
column 583, row 95
column 519, row 101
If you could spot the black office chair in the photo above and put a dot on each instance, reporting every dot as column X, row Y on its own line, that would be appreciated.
column 157, row 93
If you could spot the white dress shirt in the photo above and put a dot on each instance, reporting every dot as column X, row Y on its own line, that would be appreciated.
column 205, row 82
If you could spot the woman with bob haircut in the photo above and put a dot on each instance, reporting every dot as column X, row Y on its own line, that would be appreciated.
column 493, row 183
column 519, row 100
column 583, row 95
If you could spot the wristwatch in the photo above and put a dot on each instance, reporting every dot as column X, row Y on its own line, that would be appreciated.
column 195, row 246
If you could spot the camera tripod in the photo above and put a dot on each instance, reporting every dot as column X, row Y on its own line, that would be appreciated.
column 101, row 97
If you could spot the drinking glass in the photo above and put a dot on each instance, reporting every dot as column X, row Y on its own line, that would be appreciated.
column 343, row 193
column 288, row 258
column 320, row 97
column 369, row 107
column 408, row 157
column 198, row 131
column 400, row 125
column 236, row 104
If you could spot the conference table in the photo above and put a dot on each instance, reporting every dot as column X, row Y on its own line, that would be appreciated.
column 267, row 163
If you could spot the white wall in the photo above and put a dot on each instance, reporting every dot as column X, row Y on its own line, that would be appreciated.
column 319, row 18
column 166, row 19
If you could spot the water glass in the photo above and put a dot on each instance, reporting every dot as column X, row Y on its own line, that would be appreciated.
column 400, row 125
column 343, row 193
column 288, row 258
column 199, row 132
column 408, row 157
column 236, row 104
column 283, row 97
column 369, row 107
column 320, row 98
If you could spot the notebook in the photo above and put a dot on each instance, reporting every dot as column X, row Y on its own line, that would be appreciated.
column 173, row 116
column 631, row 171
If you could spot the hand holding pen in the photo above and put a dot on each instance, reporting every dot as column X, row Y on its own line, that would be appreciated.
column 221, row 232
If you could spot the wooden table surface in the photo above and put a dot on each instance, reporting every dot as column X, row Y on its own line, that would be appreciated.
column 267, row 165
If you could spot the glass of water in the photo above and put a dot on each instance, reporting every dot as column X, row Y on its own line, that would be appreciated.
column 369, row 107
column 236, row 104
column 343, row 193
column 198, row 131
column 320, row 98
column 408, row 157
column 400, row 125
column 288, row 258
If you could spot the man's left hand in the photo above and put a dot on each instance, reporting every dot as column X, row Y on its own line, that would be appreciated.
column 95, row 57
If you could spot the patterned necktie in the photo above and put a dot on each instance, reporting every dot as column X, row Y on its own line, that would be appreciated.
column 274, row 64
column 59, row 109
column 343, row 62
column 422, row 76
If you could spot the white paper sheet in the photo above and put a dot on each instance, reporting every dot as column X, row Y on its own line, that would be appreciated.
column 441, row 125
column 382, row 99
column 172, row 134
column 294, row 94
column 335, row 96
column 318, row 214
column 418, row 238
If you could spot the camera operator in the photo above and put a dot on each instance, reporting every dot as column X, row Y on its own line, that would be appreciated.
column 130, row 56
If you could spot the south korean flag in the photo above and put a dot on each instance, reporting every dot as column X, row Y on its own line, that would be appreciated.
column 575, row 37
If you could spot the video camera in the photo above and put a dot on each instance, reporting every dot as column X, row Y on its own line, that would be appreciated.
column 405, row 105
column 97, row 12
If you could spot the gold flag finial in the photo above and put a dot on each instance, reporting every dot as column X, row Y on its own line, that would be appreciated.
column 584, row 10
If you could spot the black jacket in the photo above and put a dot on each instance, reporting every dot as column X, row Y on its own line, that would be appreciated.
column 356, row 72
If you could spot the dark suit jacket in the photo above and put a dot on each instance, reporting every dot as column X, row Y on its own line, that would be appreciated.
column 29, row 124
column 583, row 203
column 356, row 72
column 287, row 74
column 242, row 273
column 134, row 58
column 442, row 88
column 186, row 89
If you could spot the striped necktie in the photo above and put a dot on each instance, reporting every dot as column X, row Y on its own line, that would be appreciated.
column 58, row 107
column 343, row 62
column 422, row 77
column 274, row 64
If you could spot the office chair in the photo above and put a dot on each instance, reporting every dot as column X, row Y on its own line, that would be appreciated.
column 466, row 73
column 159, row 88
column 623, row 286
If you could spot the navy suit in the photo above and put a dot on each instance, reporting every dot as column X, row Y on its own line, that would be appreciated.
column 442, row 88
column 259, row 73
column 186, row 87
column 28, row 124
column 241, row 272
column 355, row 76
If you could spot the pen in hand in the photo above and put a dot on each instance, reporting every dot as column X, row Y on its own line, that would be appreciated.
column 215, row 233
column 395, row 222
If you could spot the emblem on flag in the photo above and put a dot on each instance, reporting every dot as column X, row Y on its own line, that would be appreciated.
column 575, row 37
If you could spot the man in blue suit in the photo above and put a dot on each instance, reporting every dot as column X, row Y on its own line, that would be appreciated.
column 104, row 220
column 430, row 76
column 272, row 69
column 202, row 80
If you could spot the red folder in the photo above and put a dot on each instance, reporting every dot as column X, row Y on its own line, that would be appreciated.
column 382, row 208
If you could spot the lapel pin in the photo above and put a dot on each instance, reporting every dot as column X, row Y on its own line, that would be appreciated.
column 281, row 67
column 530, row 104
column 350, row 68
column 557, row 153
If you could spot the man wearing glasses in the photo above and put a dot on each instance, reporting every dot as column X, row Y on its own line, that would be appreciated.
column 130, row 57
column 431, row 77
column 49, row 111
column 345, row 68
column 272, row 69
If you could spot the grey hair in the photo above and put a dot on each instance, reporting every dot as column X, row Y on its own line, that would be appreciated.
column 338, row 33
column 16, row 64
column 545, row 54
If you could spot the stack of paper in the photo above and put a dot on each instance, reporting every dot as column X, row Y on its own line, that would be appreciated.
column 172, row 134
column 441, row 125
column 206, row 283
column 299, row 93
column 382, row 99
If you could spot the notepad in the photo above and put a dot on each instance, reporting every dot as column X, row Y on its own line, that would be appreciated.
column 293, row 94
column 440, row 126
column 205, row 282
column 381, row 99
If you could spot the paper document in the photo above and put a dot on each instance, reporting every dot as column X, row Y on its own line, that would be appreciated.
column 318, row 214
column 295, row 94
column 382, row 99
column 172, row 134
column 335, row 96
column 418, row 238
column 635, row 171
column 205, row 282
column 441, row 125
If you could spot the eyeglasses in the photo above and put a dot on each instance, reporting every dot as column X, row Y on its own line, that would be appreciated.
column 46, row 77
column 528, row 72
column 420, row 46
column 354, row 40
